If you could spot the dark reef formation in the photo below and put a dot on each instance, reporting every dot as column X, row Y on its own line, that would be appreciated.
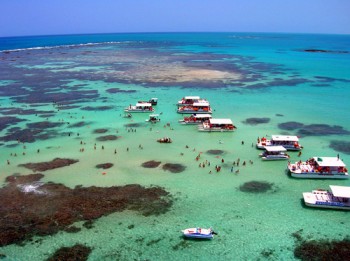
column 107, row 138
column 323, row 51
column 215, row 152
column 104, row 165
column 133, row 125
column 256, row 187
column 340, row 146
column 313, row 129
column 77, row 252
column 8, row 121
column 256, row 121
column 321, row 249
column 151, row 164
column 33, row 208
column 99, row 131
column 174, row 167
column 100, row 108
column 53, row 164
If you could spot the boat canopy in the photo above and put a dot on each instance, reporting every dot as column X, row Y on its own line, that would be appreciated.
column 329, row 162
column 191, row 97
column 284, row 138
column 143, row 104
column 198, row 116
column 340, row 191
column 220, row 121
column 154, row 115
column 275, row 148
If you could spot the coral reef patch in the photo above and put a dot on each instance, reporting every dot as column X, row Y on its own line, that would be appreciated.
column 174, row 167
column 256, row 121
column 151, row 164
column 76, row 252
column 215, row 152
column 340, row 146
column 313, row 129
column 48, row 165
column 256, row 187
column 104, row 165
column 107, row 138
column 33, row 208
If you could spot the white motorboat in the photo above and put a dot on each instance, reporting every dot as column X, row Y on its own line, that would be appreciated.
column 217, row 125
column 140, row 107
column 289, row 142
column 337, row 198
column 199, row 233
column 319, row 167
column 274, row 153
column 196, row 119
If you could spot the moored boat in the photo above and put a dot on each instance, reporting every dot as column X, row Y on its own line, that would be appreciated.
column 189, row 100
column 287, row 141
column 165, row 140
column 153, row 101
column 199, row 233
column 319, row 167
column 196, row 108
column 140, row 107
column 195, row 119
column 217, row 125
column 274, row 153
column 337, row 198
column 153, row 118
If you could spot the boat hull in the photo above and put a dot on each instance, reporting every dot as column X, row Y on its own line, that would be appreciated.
column 215, row 130
column 324, row 199
column 308, row 175
column 193, row 111
column 274, row 158
column 290, row 148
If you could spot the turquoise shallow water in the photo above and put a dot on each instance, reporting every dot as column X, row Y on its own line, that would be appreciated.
column 279, row 81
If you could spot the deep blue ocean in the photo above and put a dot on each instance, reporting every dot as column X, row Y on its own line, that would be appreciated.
column 64, row 96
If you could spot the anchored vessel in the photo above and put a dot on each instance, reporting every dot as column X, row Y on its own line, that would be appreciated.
column 337, row 198
column 153, row 118
column 289, row 142
column 274, row 153
column 201, row 233
column 140, row 107
column 197, row 107
column 189, row 100
column 222, row 125
column 195, row 119
column 319, row 167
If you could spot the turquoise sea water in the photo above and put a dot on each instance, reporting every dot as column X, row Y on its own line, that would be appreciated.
column 91, row 78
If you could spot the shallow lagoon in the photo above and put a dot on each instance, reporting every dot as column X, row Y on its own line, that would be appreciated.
column 243, row 77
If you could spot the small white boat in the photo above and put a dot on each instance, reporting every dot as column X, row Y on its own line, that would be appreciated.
column 337, row 198
column 217, row 125
column 196, row 119
column 319, row 167
column 153, row 118
column 289, row 142
column 165, row 140
column 199, row 233
column 140, row 107
column 274, row 153
column 196, row 108
column 189, row 100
